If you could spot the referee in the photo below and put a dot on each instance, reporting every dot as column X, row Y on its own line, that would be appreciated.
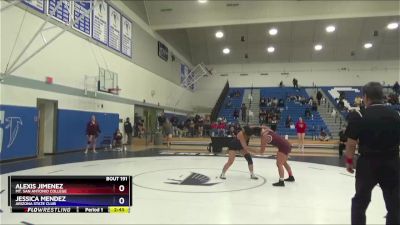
column 377, row 131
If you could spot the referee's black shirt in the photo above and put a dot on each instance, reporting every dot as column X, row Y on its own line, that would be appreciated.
column 377, row 129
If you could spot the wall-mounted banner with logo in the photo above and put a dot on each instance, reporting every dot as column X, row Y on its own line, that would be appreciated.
column 162, row 51
column 85, row 24
column 35, row 4
column 63, row 13
column 126, row 44
column 100, row 22
column 18, row 132
column 114, row 29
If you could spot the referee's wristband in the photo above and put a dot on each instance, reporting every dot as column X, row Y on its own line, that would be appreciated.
column 349, row 161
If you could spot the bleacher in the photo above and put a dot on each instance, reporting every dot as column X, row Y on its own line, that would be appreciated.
column 295, row 110
column 236, row 104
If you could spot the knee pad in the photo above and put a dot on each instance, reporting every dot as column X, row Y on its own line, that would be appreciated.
column 248, row 158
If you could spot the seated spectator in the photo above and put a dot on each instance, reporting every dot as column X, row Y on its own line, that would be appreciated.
column 281, row 103
column 236, row 114
column 307, row 113
column 214, row 129
column 117, row 139
column 269, row 101
column 228, row 104
column 221, row 128
column 288, row 121
column 323, row 136
column 262, row 102
column 310, row 101
column 232, row 94
column 274, row 123
column 314, row 106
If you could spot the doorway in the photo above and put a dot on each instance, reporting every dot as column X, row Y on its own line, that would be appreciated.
column 47, row 117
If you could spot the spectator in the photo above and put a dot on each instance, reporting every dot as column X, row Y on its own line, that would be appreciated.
column 236, row 114
column 323, row 136
column 307, row 113
column 281, row 84
column 295, row 83
column 274, row 123
column 281, row 103
column 221, row 128
column 396, row 87
column 244, row 111
column 341, row 105
column 228, row 104
column 319, row 97
column 141, row 128
column 288, row 122
column 274, row 102
column 161, row 119
column 128, row 131
column 168, row 131
column 314, row 106
column 333, row 114
column 214, row 128
column 262, row 102
column 269, row 101
column 342, row 141
column 92, row 132
column 117, row 139
column 342, row 95
column 301, row 127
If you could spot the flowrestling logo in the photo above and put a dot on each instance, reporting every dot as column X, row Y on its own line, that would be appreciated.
column 12, row 126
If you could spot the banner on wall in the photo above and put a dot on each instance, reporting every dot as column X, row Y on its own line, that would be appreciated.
column 85, row 24
column 162, row 51
column 38, row 5
column 184, row 74
column 126, row 44
column 63, row 12
column 100, row 22
column 114, row 29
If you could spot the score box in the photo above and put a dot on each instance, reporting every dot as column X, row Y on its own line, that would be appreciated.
column 70, row 191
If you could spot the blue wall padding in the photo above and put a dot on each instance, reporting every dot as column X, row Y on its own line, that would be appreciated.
column 71, row 132
column 18, row 131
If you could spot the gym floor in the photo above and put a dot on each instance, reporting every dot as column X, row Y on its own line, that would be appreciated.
column 321, row 193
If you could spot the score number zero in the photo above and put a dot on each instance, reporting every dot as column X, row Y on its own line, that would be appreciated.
column 121, row 187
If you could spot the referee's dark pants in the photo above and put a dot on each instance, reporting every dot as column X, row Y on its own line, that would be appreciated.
column 371, row 171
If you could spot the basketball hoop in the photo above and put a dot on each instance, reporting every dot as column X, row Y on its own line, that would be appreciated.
column 114, row 91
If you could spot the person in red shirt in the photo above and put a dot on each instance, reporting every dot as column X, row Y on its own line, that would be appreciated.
column 92, row 132
column 301, row 127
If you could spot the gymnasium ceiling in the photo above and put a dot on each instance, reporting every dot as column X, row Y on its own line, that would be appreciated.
column 190, row 27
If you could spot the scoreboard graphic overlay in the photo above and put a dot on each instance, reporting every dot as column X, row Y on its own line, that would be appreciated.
column 70, row 194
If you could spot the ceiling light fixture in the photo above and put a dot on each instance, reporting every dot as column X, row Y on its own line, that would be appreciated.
column 202, row 1
column 318, row 47
column 273, row 31
column 330, row 28
column 392, row 26
column 226, row 51
column 270, row 49
column 368, row 45
column 219, row 34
